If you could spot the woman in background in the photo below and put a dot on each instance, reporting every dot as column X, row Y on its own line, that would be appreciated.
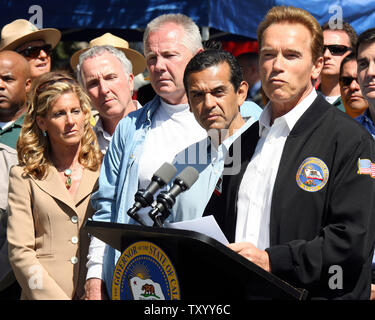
column 49, row 191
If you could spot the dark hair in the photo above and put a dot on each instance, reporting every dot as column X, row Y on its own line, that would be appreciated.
column 349, row 57
column 214, row 57
column 250, row 58
column 348, row 29
column 366, row 37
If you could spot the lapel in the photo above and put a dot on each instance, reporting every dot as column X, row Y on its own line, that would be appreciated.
column 224, row 206
column 89, row 183
column 299, row 135
column 54, row 186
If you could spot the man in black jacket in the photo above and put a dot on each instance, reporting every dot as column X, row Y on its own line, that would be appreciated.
column 302, row 205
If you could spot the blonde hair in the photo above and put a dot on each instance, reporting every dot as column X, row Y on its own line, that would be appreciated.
column 33, row 146
column 283, row 14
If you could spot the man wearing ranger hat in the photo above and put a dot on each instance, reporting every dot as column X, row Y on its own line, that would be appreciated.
column 34, row 44
column 137, row 59
column 106, row 70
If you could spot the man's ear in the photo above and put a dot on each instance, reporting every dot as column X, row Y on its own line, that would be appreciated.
column 242, row 92
column 199, row 51
column 28, row 84
column 317, row 68
column 131, row 82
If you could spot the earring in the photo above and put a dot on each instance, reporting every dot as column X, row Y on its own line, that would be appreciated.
column 44, row 133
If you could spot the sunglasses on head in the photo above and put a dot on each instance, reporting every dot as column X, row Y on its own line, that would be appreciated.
column 34, row 51
column 336, row 49
column 347, row 81
column 46, row 84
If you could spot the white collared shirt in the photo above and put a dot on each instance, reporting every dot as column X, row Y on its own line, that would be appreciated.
column 173, row 129
column 104, row 138
column 256, row 188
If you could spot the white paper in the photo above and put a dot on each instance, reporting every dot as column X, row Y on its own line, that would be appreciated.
column 206, row 225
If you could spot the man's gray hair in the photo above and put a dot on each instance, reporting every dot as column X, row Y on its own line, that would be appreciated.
column 98, row 51
column 192, row 39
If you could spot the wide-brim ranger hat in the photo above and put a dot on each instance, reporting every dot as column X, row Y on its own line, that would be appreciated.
column 137, row 59
column 21, row 31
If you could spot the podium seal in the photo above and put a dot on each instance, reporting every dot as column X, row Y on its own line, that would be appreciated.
column 144, row 272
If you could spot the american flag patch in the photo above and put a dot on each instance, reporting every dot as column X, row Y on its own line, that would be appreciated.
column 365, row 166
column 219, row 187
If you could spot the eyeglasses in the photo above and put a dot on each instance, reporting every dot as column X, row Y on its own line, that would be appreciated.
column 336, row 49
column 34, row 52
column 347, row 81
column 44, row 85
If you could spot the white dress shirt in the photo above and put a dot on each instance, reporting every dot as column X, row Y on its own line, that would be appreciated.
column 256, row 188
column 173, row 129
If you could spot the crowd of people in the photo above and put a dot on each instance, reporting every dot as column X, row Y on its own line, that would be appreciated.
column 288, row 135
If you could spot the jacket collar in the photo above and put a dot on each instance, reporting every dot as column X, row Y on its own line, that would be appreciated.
column 311, row 117
column 53, row 185
column 146, row 113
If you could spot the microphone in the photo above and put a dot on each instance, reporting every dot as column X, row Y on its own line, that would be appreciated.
column 144, row 198
column 166, row 199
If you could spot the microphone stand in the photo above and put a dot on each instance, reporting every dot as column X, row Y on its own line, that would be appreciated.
column 160, row 212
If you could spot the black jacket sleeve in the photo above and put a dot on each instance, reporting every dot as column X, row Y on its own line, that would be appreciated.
column 344, row 241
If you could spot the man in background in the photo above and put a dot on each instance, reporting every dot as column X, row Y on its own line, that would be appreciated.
column 354, row 102
column 107, row 76
column 33, row 44
column 338, row 43
column 15, row 82
column 145, row 139
column 250, row 68
column 366, row 78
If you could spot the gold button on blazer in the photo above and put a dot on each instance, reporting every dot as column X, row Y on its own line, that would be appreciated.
column 40, row 231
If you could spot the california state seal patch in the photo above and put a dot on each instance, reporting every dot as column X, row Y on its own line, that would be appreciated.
column 312, row 174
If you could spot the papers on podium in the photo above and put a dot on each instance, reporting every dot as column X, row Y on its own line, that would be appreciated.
column 206, row 225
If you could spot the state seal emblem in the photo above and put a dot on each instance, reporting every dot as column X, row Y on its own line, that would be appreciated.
column 312, row 174
column 144, row 272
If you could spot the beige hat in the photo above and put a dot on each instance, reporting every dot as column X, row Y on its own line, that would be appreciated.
column 21, row 31
column 137, row 59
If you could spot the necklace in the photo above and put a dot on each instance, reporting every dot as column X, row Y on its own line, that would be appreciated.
column 68, row 175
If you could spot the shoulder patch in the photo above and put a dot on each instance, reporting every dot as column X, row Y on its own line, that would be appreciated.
column 312, row 174
column 365, row 166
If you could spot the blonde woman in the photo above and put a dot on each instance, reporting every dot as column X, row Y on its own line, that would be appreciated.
column 49, row 191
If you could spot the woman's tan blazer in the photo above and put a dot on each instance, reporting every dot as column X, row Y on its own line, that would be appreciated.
column 47, row 248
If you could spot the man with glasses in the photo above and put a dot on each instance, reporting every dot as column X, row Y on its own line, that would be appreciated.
column 354, row 102
column 34, row 44
column 338, row 43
